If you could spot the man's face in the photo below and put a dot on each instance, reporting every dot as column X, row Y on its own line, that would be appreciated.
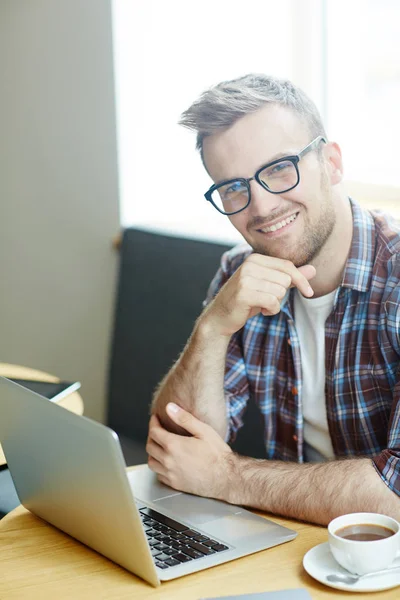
column 256, row 139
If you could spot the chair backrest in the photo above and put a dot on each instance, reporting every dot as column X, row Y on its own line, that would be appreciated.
column 163, row 281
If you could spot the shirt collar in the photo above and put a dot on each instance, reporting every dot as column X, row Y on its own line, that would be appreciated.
column 359, row 265
column 358, row 269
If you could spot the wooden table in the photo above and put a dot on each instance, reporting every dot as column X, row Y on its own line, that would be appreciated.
column 72, row 402
column 39, row 562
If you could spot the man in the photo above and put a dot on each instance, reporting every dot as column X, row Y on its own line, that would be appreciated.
column 303, row 320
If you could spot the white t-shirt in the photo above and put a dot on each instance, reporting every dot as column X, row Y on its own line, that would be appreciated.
column 310, row 315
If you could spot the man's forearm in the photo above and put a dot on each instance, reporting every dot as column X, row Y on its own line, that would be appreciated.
column 196, row 381
column 311, row 492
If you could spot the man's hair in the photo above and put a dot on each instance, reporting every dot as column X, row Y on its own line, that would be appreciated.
column 219, row 107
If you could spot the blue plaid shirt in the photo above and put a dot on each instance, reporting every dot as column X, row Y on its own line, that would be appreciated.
column 362, row 349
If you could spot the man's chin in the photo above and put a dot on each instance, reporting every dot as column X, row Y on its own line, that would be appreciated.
column 298, row 256
column 283, row 254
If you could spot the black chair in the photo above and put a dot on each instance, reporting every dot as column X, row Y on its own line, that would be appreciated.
column 163, row 281
column 8, row 496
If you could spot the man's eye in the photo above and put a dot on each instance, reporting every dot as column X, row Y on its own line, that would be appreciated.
column 235, row 188
column 279, row 168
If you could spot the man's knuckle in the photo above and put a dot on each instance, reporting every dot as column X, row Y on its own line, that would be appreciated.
column 168, row 463
column 244, row 280
column 288, row 264
column 274, row 305
column 281, row 293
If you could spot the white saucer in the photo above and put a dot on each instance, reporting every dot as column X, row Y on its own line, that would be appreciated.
column 319, row 562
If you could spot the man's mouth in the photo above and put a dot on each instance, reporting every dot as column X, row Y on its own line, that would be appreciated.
column 280, row 224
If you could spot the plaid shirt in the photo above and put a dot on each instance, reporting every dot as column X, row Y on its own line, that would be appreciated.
column 362, row 348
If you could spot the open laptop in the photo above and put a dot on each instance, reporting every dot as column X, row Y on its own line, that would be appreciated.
column 70, row 471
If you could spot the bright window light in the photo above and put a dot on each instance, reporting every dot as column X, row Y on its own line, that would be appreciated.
column 166, row 54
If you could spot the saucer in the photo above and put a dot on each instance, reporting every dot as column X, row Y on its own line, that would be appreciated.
column 319, row 562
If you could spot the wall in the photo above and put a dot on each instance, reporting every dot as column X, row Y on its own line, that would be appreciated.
column 58, row 189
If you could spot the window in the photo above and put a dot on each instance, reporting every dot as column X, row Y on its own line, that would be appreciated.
column 343, row 53
column 363, row 86
column 166, row 54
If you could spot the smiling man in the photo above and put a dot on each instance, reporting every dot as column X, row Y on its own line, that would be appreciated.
column 303, row 320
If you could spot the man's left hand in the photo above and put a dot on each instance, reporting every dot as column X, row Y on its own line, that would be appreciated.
column 200, row 464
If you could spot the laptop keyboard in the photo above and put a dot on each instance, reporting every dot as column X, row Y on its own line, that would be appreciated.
column 172, row 543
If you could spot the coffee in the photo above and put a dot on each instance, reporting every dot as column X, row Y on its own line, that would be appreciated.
column 364, row 532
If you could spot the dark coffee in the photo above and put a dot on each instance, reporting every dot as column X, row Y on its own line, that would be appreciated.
column 364, row 532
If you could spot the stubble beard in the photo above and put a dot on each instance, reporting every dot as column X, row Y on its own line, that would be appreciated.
column 314, row 238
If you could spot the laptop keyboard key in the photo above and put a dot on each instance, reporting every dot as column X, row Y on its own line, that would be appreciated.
column 190, row 533
column 220, row 547
column 172, row 562
column 153, row 542
column 192, row 553
column 182, row 557
column 161, row 565
column 210, row 543
column 170, row 551
column 164, row 529
column 179, row 536
column 201, row 548
column 167, row 540
column 151, row 532
column 149, row 521
column 162, row 556
column 200, row 538
column 161, row 547
column 163, row 519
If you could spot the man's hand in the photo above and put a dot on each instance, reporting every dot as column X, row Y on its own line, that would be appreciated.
column 258, row 285
column 198, row 465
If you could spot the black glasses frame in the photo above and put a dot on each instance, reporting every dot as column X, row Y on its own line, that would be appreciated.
column 246, row 181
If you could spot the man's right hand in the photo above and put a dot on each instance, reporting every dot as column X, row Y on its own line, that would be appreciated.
column 259, row 285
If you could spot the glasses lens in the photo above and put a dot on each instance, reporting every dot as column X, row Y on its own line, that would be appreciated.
column 231, row 197
column 280, row 177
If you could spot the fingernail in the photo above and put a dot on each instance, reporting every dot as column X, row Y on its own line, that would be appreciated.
column 310, row 291
column 174, row 408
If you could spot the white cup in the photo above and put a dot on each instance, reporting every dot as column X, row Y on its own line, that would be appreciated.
column 361, row 557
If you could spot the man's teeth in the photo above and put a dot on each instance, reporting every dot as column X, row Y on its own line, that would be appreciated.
column 280, row 224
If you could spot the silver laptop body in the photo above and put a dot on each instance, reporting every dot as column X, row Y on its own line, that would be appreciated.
column 70, row 471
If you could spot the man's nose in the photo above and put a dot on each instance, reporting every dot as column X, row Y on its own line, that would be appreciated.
column 262, row 201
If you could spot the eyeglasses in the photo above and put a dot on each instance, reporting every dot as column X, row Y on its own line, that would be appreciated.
column 279, row 176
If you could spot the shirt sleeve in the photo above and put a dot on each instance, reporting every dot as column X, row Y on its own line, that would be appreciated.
column 387, row 463
column 236, row 386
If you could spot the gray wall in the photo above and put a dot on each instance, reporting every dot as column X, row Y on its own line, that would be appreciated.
column 58, row 189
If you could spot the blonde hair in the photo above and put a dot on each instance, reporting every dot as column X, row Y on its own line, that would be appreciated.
column 222, row 105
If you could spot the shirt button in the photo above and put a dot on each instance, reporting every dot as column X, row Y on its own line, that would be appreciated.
column 294, row 391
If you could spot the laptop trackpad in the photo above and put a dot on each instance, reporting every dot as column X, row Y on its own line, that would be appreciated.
column 196, row 510
column 185, row 507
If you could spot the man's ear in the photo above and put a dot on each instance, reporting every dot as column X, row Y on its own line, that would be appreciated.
column 333, row 158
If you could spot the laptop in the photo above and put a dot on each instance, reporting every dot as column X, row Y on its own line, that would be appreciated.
column 70, row 471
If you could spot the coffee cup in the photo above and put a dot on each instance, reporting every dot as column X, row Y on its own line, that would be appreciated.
column 364, row 542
